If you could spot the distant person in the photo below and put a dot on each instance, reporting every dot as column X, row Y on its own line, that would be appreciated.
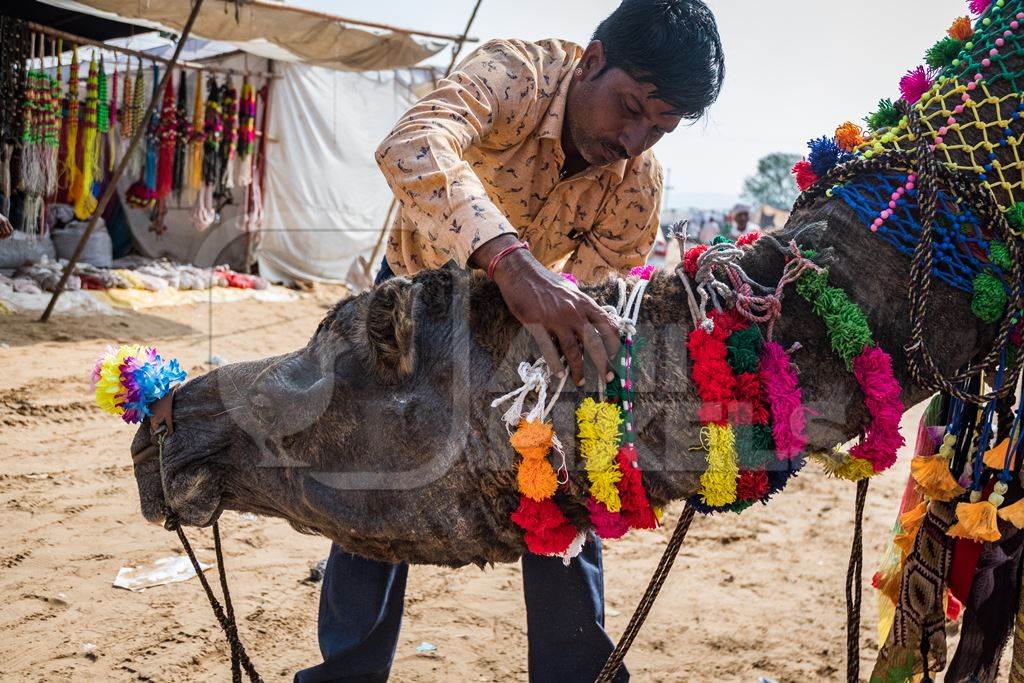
column 709, row 230
column 6, row 229
column 741, row 223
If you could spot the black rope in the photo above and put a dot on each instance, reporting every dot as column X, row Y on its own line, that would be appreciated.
column 853, row 586
column 239, row 658
column 643, row 608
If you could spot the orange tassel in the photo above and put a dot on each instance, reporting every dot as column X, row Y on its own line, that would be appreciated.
column 537, row 478
column 849, row 136
column 961, row 29
column 888, row 584
column 975, row 522
column 995, row 458
column 1014, row 514
column 910, row 522
column 931, row 472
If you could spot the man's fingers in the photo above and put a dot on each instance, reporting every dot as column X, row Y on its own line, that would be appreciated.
column 573, row 353
column 594, row 346
column 547, row 348
column 609, row 332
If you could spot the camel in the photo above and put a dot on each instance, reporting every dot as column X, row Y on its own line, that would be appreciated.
column 379, row 434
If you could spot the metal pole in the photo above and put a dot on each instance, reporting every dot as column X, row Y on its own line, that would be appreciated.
column 111, row 187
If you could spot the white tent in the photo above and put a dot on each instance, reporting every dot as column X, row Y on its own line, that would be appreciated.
column 324, row 201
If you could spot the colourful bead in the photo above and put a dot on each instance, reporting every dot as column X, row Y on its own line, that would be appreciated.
column 999, row 43
column 972, row 85
column 1015, row 24
column 886, row 214
column 892, row 205
column 910, row 187
column 1007, row 33
column 1000, row 3
column 986, row 62
column 993, row 52
column 938, row 140
column 956, row 62
column 943, row 130
column 959, row 109
column 951, row 120
column 986, row 21
column 912, row 178
column 965, row 98
column 978, row 77
column 969, row 46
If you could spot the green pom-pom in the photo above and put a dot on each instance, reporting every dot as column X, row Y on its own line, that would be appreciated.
column 763, row 439
column 848, row 331
column 1015, row 216
column 886, row 116
column 744, row 349
column 721, row 239
column 755, row 446
column 999, row 255
column 811, row 284
column 941, row 54
column 989, row 298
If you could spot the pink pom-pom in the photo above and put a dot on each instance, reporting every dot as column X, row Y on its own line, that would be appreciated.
column 606, row 524
column 979, row 7
column 873, row 370
column 915, row 84
column 642, row 272
column 782, row 393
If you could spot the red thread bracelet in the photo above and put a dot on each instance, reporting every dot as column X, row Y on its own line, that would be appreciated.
column 502, row 254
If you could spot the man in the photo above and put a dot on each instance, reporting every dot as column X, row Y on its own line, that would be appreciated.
column 741, row 223
column 549, row 143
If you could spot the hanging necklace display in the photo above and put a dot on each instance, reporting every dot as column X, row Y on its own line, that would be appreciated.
column 13, row 54
column 69, row 167
column 230, row 137
column 246, row 133
column 85, row 201
column 204, row 213
column 167, row 135
column 195, row 148
column 183, row 133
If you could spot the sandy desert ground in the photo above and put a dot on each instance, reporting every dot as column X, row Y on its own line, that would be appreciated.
column 756, row 595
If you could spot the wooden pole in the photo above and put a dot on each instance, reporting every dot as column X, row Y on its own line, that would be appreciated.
column 111, row 187
column 182, row 64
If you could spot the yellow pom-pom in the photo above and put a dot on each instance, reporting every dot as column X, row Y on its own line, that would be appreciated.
column 599, row 425
column 843, row 466
column 976, row 522
column 849, row 136
column 718, row 483
column 931, row 472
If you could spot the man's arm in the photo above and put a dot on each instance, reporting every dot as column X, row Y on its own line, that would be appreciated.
column 6, row 230
column 490, row 98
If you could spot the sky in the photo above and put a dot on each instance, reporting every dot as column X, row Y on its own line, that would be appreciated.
column 795, row 69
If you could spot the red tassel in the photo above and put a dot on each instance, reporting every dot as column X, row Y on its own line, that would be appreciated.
column 168, row 132
column 805, row 175
column 636, row 508
column 752, row 485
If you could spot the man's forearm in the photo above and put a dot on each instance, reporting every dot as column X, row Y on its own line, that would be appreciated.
column 481, row 258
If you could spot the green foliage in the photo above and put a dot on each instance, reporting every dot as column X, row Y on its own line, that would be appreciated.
column 772, row 183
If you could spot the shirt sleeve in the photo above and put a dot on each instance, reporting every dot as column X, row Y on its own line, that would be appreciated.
column 626, row 227
column 491, row 99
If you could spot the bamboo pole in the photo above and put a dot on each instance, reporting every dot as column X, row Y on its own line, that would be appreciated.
column 111, row 187
column 183, row 64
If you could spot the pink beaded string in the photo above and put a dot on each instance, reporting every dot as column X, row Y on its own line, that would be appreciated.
column 894, row 201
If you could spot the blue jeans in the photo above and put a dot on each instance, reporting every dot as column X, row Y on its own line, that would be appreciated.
column 361, row 603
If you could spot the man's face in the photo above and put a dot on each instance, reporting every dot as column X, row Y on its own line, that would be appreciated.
column 741, row 220
column 612, row 116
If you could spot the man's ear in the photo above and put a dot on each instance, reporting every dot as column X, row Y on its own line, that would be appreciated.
column 391, row 328
column 593, row 60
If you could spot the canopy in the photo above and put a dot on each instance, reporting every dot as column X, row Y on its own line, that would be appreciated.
column 275, row 31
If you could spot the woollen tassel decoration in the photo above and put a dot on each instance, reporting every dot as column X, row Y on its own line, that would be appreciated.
column 979, row 7
column 112, row 134
column 230, row 136
column 213, row 131
column 167, row 134
column 51, row 137
column 195, row 150
column 85, row 202
column 102, row 103
column 873, row 370
column 547, row 531
column 536, row 477
column 137, row 109
column 910, row 524
column 70, row 166
column 825, row 154
column 247, row 120
column 783, row 395
column 931, row 472
column 976, row 521
column 183, row 132
column 636, row 507
column 805, row 175
column 914, row 85
column 607, row 524
column 126, row 105
column 849, row 137
column 1014, row 514
column 126, row 381
column 599, row 429
column 718, row 482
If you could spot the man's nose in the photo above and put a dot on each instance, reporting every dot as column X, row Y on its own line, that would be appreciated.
column 634, row 140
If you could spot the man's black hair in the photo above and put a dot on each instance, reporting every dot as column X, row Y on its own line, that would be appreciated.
column 673, row 45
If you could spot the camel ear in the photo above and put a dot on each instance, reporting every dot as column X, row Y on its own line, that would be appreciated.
column 391, row 328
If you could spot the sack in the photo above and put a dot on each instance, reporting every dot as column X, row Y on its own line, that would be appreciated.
column 99, row 250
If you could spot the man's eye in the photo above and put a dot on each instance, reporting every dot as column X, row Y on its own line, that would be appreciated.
column 629, row 108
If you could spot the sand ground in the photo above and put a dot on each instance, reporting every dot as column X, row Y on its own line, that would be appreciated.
column 756, row 595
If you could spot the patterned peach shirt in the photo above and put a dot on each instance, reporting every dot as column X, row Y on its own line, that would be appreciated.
column 480, row 156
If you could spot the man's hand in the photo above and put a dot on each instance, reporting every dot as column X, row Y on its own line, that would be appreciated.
column 6, row 229
column 552, row 310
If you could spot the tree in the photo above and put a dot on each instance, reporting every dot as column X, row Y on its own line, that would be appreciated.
column 772, row 183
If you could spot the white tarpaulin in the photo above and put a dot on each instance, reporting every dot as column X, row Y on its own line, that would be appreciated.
column 325, row 199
